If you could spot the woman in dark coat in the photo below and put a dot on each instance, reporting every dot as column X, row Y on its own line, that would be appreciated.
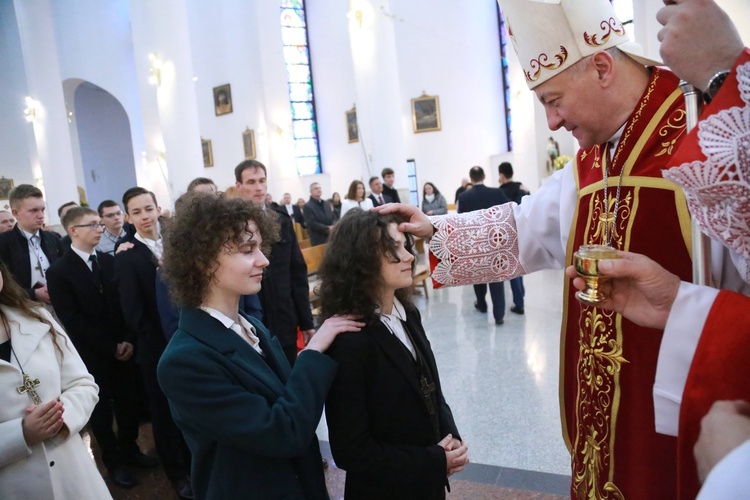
column 389, row 425
column 248, row 418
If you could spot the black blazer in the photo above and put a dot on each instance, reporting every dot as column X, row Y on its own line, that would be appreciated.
column 249, row 421
column 386, row 199
column 480, row 197
column 378, row 424
column 91, row 316
column 318, row 216
column 14, row 252
column 135, row 275
column 391, row 193
column 285, row 292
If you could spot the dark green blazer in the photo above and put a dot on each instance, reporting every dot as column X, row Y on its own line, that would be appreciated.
column 249, row 421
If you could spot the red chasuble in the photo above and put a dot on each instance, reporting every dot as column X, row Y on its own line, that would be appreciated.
column 608, row 364
column 720, row 369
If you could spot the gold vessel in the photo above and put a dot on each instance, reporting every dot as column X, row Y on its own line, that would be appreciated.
column 586, row 261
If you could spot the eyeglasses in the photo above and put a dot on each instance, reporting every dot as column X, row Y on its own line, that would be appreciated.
column 93, row 226
column 113, row 214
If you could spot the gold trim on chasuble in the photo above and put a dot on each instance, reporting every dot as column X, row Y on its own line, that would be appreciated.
column 600, row 338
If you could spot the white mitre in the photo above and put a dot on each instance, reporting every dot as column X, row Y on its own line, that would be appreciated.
column 551, row 35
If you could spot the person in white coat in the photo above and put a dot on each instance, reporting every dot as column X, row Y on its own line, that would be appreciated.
column 355, row 198
column 47, row 397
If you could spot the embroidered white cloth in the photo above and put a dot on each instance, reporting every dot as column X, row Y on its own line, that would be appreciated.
column 718, row 189
column 476, row 247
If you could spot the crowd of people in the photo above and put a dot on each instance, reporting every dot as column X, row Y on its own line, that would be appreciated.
column 198, row 329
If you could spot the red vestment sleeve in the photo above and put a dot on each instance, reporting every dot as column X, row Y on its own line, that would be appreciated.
column 720, row 371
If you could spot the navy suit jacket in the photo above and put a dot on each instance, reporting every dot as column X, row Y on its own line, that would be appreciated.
column 386, row 199
column 249, row 420
column 135, row 275
column 378, row 422
column 14, row 252
column 480, row 197
column 318, row 216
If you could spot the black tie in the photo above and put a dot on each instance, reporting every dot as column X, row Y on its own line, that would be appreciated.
column 95, row 270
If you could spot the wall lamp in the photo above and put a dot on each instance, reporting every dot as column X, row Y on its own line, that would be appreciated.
column 30, row 112
column 154, row 73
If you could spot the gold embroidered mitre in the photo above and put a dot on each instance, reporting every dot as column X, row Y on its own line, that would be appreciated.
column 549, row 36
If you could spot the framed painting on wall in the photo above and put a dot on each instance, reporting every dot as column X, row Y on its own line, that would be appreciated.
column 248, row 143
column 222, row 100
column 208, row 153
column 352, row 128
column 425, row 113
column 6, row 186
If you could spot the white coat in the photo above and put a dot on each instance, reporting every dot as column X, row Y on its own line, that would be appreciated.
column 59, row 468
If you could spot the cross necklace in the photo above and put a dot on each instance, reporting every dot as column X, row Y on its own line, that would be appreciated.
column 29, row 385
column 609, row 227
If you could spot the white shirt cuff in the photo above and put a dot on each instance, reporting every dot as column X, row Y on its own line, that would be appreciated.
column 728, row 479
column 681, row 335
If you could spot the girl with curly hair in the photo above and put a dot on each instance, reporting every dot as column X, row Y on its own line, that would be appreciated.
column 248, row 418
column 47, row 397
column 389, row 425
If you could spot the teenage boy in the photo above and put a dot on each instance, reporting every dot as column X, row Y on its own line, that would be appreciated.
column 135, row 274
column 85, row 299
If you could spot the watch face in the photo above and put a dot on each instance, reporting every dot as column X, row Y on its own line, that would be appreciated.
column 714, row 85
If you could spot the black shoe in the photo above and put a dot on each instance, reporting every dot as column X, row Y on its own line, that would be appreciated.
column 481, row 309
column 122, row 478
column 183, row 489
column 325, row 463
column 142, row 460
column 517, row 310
column 499, row 322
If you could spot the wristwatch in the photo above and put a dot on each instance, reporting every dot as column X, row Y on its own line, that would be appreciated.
column 714, row 84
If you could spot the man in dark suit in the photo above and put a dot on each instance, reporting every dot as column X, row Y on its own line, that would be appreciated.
column 135, row 275
column 285, row 292
column 478, row 198
column 389, row 179
column 28, row 242
column 292, row 210
column 85, row 299
column 515, row 191
column 318, row 216
column 377, row 195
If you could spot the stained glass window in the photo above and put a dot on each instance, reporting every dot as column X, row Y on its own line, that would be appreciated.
column 297, row 58
column 506, row 78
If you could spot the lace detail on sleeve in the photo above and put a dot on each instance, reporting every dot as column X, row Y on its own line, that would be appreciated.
column 476, row 247
column 718, row 189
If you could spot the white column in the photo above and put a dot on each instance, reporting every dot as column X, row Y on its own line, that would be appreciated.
column 173, row 155
column 56, row 168
column 377, row 82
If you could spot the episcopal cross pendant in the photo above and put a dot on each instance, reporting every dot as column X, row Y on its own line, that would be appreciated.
column 29, row 387
column 427, row 389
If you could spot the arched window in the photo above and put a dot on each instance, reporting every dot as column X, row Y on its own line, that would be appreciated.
column 301, row 100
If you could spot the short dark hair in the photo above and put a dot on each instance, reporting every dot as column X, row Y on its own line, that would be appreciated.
column 106, row 204
column 245, row 165
column 23, row 191
column 352, row 193
column 476, row 174
column 350, row 275
column 66, row 204
column 132, row 193
column 200, row 181
column 386, row 171
column 74, row 215
column 506, row 169
column 189, row 259
column 373, row 178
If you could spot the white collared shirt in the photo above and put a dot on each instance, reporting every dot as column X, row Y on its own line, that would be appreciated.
column 155, row 246
column 37, row 258
column 85, row 256
column 244, row 329
column 393, row 323
column 289, row 210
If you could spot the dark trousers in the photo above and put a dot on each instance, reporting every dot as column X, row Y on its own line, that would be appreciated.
column 291, row 353
column 118, row 398
column 516, row 286
column 170, row 445
column 497, row 293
